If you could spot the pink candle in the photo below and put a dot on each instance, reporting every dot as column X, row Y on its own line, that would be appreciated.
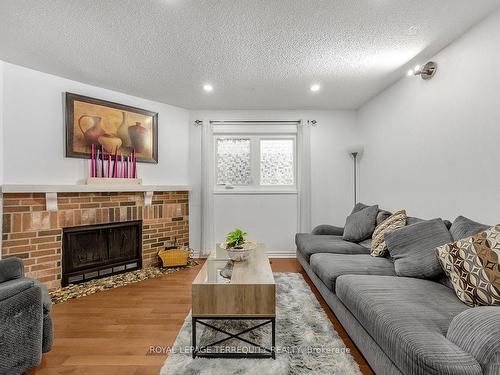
column 103, row 157
column 109, row 165
column 115, row 165
column 92, row 170
column 122, row 173
column 134, row 166
column 97, row 172
column 102, row 162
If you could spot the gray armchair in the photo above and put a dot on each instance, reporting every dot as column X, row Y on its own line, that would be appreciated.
column 25, row 323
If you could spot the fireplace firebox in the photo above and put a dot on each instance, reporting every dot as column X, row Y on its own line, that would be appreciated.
column 96, row 251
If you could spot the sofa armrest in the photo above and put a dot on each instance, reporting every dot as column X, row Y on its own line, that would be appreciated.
column 46, row 300
column 21, row 327
column 328, row 230
column 10, row 269
column 10, row 288
column 477, row 331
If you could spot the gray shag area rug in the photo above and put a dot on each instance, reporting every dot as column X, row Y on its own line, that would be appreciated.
column 306, row 341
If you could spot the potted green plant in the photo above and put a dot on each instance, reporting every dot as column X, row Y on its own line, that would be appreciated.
column 237, row 247
column 235, row 239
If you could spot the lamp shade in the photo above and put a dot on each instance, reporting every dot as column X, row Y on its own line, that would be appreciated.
column 355, row 149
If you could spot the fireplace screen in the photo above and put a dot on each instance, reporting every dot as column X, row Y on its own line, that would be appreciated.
column 95, row 251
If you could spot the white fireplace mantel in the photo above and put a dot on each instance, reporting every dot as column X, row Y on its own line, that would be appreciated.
column 51, row 191
column 8, row 188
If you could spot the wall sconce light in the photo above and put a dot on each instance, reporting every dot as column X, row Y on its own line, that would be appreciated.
column 426, row 72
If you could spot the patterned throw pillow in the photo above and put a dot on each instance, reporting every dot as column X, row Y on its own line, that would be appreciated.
column 393, row 222
column 473, row 267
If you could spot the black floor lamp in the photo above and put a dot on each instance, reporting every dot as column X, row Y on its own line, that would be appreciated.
column 355, row 152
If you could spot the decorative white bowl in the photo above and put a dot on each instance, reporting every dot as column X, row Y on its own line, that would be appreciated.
column 242, row 252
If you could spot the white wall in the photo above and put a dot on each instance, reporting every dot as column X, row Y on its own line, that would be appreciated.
column 2, row 139
column 332, row 166
column 271, row 219
column 433, row 147
column 1, row 150
column 331, row 179
column 34, row 131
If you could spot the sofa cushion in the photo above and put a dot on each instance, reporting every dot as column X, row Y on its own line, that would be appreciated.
column 366, row 243
column 330, row 266
column 360, row 225
column 463, row 228
column 308, row 244
column 409, row 319
column 473, row 267
column 477, row 331
column 393, row 222
column 413, row 248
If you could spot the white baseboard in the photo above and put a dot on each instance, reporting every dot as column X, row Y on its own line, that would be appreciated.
column 280, row 254
column 270, row 254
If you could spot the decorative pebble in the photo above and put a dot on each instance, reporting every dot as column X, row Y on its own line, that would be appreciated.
column 93, row 286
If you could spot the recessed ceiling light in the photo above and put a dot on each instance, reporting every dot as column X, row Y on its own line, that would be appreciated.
column 208, row 88
column 315, row 87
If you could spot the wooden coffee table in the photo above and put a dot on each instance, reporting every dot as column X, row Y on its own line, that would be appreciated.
column 250, row 294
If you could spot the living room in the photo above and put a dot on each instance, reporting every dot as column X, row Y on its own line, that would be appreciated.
column 235, row 187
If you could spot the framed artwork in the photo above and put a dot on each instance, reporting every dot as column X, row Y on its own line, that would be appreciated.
column 112, row 126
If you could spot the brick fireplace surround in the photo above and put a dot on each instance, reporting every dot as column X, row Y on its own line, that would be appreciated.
column 34, row 234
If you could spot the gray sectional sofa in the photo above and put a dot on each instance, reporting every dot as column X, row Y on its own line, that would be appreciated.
column 25, row 322
column 401, row 325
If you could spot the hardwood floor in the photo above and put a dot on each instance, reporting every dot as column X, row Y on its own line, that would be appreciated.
column 110, row 333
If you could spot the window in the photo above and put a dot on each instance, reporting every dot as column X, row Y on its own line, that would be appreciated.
column 277, row 162
column 255, row 162
column 233, row 162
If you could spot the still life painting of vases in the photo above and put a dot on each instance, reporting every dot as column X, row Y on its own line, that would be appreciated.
column 112, row 127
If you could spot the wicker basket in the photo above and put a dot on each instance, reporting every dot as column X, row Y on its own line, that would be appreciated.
column 174, row 257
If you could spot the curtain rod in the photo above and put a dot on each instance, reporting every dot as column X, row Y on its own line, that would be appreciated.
column 258, row 122
column 255, row 122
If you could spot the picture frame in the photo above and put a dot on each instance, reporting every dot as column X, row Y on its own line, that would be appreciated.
column 112, row 127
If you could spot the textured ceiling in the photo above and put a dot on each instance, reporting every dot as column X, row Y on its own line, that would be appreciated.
column 256, row 53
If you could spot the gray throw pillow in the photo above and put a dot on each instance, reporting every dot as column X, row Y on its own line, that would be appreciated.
column 410, row 220
column 360, row 225
column 382, row 216
column 463, row 228
column 358, row 207
column 413, row 248
column 413, row 220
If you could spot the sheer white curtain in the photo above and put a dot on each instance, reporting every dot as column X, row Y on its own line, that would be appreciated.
column 302, row 130
column 304, row 176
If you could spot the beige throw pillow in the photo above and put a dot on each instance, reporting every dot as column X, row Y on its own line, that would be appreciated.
column 473, row 267
column 395, row 221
